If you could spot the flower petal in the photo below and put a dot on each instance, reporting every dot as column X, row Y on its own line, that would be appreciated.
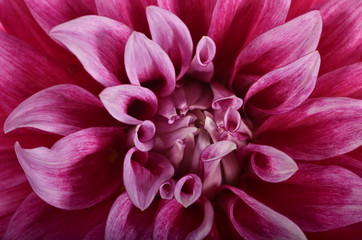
column 285, row 88
column 224, row 98
column 99, row 43
column 35, row 219
column 97, row 232
column 129, row 104
column 217, row 150
column 148, row 65
column 125, row 221
column 173, row 221
column 188, row 189
column 353, row 231
column 79, row 171
column 320, row 128
column 172, row 35
column 341, row 38
column 317, row 198
column 62, row 109
column 276, row 48
column 342, row 82
column 144, row 136
column 143, row 174
column 167, row 189
column 298, row 7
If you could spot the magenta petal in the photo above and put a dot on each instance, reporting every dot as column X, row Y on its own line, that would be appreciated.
column 167, row 109
column 35, row 219
column 97, row 232
column 62, row 109
column 298, row 7
column 285, row 88
column 127, row 222
column 82, row 36
column 167, row 189
column 317, row 198
column 148, row 65
column 276, row 48
column 232, row 120
column 188, row 189
column 143, row 174
column 343, row 82
column 270, row 164
column 320, row 128
column 51, row 13
column 173, row 221
column 341, row 37
column 143, row 136
column 224, row 98
column 173, row 36
column 217, row 150
column 79, row 171
column 129, row 104
column 253, row 220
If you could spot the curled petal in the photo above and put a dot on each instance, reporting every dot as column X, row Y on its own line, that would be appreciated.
column 144, row 136
column 167, row 109
column 148, row 65
column 79, row 171
column 188, row 190
column 62, row 109
column 217, row 150
column 143, row 174
column 129, row 104
column 172, row 35
column 82, row 36
column 285, row 88
column 223, row 98
column 170, row 221
column 167, row 189
column 232, row 120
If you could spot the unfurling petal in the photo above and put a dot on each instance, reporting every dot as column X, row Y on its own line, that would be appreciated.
column 224, row 98
column 99, row 43
column 167, row 189
column 173, row 221
column 319, row 128
column 143, row 174
column 62, row 109
column 79, row 171
column 148, row 65
column 143, row 136
column 129, row 104
column 188, row 189
column 168, row 31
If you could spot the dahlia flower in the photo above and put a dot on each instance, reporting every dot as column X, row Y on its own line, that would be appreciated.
column 170, row 119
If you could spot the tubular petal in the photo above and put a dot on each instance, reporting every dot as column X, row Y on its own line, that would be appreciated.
column 167, row 189
column 224, row 98
column 144, row 136
column 188, row 189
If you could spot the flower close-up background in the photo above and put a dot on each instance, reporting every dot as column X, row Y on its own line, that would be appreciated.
column 181, row 119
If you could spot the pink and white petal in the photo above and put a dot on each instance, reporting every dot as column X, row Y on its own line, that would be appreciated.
column 250, row 18
column 99, row 44
column 62, row 109
column 167, row 109
column 144, row 136
column 143, row 174
column 51, row 13
column 176, row 222
column 188, row 189
column 319, row 128
column 351, row 163
column 130, row 12
column 341, row 38
column 195, row 14
column 129, row 104
column 254, row 220
column 351, row 232
column 148, row 65
column 79, row 171
column 125, row 221
column 35, row 219
column 317, row 198
column 342, row 82
column 285, row 88
column 168, row 31
column 277, row 47
column 217, row 150
column 224, row 98
column 167, row 189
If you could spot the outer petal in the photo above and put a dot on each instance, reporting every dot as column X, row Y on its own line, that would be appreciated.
column 298, row 7
column 79, row 171
column 98, row 42
column 51, row 13
column 317, row 198
column 285, row 88
column 276, row 48
column 176, row 222
column 352, row 232
column 341, row 37
column 125, row 221
column 143, row 174
column 129, row 104
column 343, row 82
column 172, row 35
column 318, row 129
column 250, row 18
column 253, row 220
column 35, row 219
column 148, row 65
column 62, row 109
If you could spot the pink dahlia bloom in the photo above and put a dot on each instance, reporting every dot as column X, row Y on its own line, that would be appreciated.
column 171, row 119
